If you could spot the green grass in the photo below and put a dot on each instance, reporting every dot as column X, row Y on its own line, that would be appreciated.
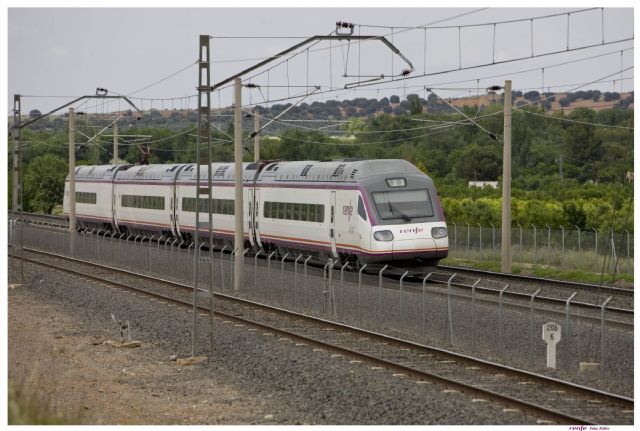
column 540, row 271
column 27, row 408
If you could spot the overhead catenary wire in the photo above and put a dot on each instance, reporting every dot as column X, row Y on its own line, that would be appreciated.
column 569, row 120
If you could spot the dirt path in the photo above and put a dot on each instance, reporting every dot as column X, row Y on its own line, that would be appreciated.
column 89, row 382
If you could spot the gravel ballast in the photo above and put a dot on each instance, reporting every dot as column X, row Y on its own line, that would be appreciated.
column 270, row 380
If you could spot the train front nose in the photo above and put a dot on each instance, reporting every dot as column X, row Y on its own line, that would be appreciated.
column 418, row 241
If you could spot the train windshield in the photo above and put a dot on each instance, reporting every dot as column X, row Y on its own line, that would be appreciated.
column 403, row 204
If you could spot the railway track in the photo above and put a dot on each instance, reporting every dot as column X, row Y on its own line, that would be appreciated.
column 551, row 400
column 553, row 293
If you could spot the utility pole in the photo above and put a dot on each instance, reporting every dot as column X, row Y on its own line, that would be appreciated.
column 16, row 195
column 115, row 143
column 72, row 181
column 238, row 243
column 204, row 117
column 505, row 266
column 256, row 139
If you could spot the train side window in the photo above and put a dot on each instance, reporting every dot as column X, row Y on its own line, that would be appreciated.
column 320, row 213
column 281, row 210
column 297, row 212
column 290, row 211
column 361, row 211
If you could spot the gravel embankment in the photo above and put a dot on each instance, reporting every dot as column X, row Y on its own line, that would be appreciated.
column 277, row 381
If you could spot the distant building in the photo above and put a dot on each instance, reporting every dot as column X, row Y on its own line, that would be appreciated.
column 483, row 184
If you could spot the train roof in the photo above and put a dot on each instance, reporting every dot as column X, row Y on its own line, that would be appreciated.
column 335, row 171
column 99, row 171
column 220, row 171
column 150, row 172
column 300, row 171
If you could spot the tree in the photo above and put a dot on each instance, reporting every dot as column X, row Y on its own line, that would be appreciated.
column 44, row 183
column 479, row 162
column 394, row 99
column 34, row 113
column 415, row 105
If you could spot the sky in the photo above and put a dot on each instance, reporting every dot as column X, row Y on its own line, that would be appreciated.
column 68, row 52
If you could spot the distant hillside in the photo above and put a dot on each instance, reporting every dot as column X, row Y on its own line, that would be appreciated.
column 307, row 114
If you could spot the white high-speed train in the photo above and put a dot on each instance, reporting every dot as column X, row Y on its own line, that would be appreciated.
column 369, row 211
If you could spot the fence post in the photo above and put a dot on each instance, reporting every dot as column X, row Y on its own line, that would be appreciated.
column 500, row 319
column 455, row 236
column 306, row 294
column 562, row 228
column 614, row 254
column 449, row 322
column 628, row 253
column 255, row 271
column 149, row 253
column 493, row 237
column 380, row 290
column 282, row 269
column 202, row 244
column 535, row 245
column 342, row 289
column 98, row 244
column 135, row 249
column 222, row 264
column 468, row 238
column 189, row 269
column 402, row 314
column 520, row 227
column 596, row 240
column 533, row 297
column 325, row 271
column 269, row 273
column 480, row 235
column 360, row 291
column 244, row 279
column 548, row 245
column 295, row 281
column 602, row 334
column 579, row 248
column 567, row 329
column 424, row 314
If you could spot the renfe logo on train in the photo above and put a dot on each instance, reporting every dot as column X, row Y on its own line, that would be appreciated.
column 347, row 210
column 413, row 230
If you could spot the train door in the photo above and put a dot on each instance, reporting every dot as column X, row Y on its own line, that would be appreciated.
column 114, row 214
column 251, row 216
column 256, row 217
column 332, row 225
column 173, row 218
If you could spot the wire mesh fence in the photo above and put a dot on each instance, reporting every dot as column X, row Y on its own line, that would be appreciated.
column 428, row 308
column 567, row 249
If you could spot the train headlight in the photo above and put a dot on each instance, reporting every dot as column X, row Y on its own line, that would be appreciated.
column 383, row 235
column 439, row 232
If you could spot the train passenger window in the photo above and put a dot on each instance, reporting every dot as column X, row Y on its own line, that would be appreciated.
column 320, row 213
column 361, row 211
column 290, row 211
column 297, row 212
column 281, row 210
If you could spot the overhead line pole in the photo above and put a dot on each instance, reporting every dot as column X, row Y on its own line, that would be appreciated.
column 256, row 138
column 238, row 241
column 16, row 184
column 505, row 265
column 72, row 181
column 204, row 112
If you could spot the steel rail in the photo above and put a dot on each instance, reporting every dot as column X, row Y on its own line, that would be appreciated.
column 559, row 416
